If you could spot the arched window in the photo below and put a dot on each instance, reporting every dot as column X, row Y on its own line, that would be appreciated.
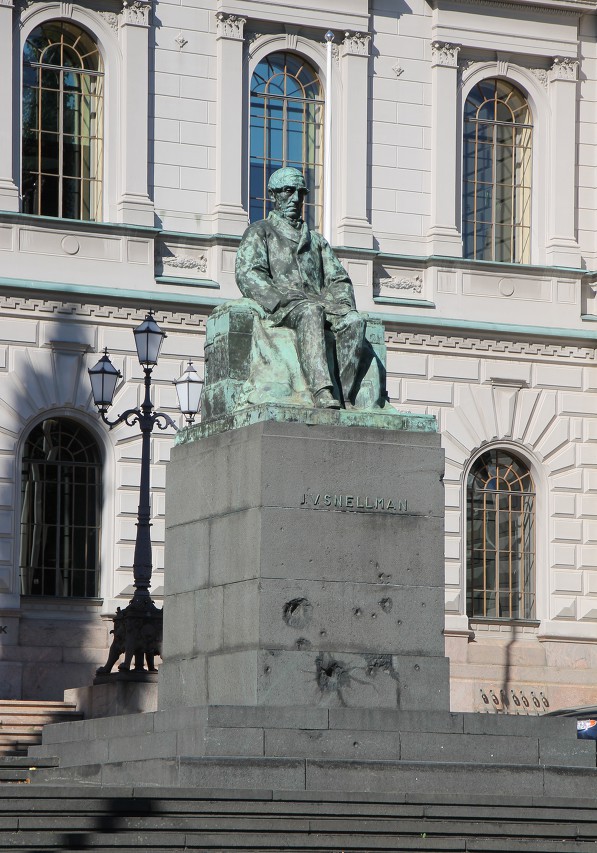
column 497, row 151
column 286, row 130
column 60, row 510
column 62, row 123
column 500, row 538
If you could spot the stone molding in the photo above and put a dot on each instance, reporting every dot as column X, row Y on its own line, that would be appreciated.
column 111, row 19
column 230, row 26
column 509, row 347
column 186, row 262
column 12, row 304
column 7, row 3
column 444, row 54
column 542, row 75
column 401, row 282
column 563, row 68
column 135, row 12
column 355, row 44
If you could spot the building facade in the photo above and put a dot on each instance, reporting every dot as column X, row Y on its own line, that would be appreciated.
column 451, row 150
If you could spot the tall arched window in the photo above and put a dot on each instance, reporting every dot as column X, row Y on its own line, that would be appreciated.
column 500, row 538
column 497, row 151
column 286, row 130
column 62, row 123
column 60, row 510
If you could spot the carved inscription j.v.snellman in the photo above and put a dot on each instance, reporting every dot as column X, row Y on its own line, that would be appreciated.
column 367, row 502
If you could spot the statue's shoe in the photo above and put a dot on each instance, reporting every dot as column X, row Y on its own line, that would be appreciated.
column 324, row 399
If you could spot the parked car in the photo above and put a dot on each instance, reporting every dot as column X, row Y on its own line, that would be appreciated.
column 586, row 720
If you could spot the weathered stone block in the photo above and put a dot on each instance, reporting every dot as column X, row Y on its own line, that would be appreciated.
column 325, row 560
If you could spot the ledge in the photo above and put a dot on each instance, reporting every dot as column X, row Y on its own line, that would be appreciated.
column 376, row 419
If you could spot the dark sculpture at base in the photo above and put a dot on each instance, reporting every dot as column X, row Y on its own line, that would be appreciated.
column 137, row 635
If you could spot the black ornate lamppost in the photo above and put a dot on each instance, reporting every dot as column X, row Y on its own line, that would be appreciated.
column 138, row 628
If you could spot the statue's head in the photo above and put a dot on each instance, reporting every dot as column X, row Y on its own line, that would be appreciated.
column 287, row 189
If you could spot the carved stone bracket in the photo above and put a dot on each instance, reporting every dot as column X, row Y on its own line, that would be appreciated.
column 356, row 44
column 230, row 26
column 445, row 54
column 136, row 12
column 564, row 68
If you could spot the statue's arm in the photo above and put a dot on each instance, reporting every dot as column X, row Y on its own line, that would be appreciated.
column 338, row 286
column 253, row 271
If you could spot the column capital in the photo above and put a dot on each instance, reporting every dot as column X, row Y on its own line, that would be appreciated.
column 356, row 44
column 230, row 26
column 136, row 12
column 444, row 54
column 563, row 68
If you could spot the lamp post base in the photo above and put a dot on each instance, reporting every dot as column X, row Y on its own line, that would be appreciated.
column 137, row 635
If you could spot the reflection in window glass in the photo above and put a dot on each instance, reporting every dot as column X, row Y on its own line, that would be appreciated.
column 286, row 129
column 60, row 510
column 497, row 150
column 62, row 123
column 500, row 538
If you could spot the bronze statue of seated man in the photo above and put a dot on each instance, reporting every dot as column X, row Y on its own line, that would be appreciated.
column 295, row 277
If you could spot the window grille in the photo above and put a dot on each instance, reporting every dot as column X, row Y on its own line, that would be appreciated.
column 63, row 86
column 500, row 538
column 60, row 510
column 497, row 154
column 286, row 130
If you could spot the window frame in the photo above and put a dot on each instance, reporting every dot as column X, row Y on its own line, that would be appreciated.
column 508, row 141
column 98, row 488
column 315, row 199
column 531, row 616
column 95, row 169
column 538, row 100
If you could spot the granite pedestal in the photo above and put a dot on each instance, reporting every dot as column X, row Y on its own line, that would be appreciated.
column 305, row 568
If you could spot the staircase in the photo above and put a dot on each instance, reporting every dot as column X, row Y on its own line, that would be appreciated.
column 21, row 723
column 37, row 818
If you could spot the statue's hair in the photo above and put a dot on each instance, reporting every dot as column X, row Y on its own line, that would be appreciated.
column 288, row 176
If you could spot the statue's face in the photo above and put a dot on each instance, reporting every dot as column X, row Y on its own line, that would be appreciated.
column 288, row 202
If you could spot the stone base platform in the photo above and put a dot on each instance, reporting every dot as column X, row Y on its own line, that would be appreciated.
column 331, row 749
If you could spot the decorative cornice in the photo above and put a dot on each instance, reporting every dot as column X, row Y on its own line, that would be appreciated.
column 444, row 54
column 136, row 12
column 452, row 343
column 356, row 44
column 563, row 68
column 8, row 3
column 230, row 26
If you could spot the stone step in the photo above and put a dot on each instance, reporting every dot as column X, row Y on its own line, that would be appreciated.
column 21, row 722
column 155, row 820
column 299, row 774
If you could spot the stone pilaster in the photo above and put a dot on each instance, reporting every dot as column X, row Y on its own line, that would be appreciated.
column 444, row 235
column 354, row 229
column 134, row 205
column 9, row 193
column 229, row 216
column 562, row 246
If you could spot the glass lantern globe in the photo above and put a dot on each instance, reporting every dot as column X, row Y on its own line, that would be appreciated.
column 188, row 389
column 103, row 377
column 148, row 340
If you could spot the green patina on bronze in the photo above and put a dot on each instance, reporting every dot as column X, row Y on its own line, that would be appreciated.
column 295, row 347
